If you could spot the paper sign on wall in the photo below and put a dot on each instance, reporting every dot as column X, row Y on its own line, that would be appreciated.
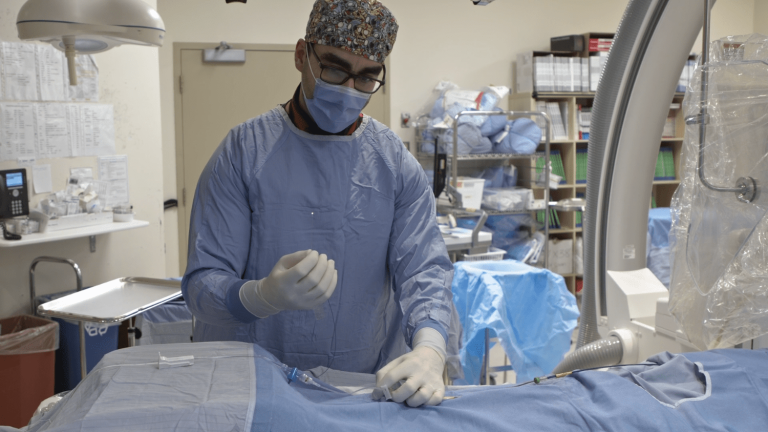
column 55, row 130
column 41, row 174
column 35, row 72
column 19, row 71
column 114, row 170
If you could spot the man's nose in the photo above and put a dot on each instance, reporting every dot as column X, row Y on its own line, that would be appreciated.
column 350, row 82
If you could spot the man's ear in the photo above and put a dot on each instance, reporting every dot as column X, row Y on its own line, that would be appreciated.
column 300, row 55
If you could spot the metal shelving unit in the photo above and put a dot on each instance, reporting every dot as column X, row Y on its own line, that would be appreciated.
column 454, row 159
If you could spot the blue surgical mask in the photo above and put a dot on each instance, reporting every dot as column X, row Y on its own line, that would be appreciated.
column 334, row 107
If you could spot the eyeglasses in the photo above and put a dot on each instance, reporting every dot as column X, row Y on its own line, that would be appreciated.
column 334, row 76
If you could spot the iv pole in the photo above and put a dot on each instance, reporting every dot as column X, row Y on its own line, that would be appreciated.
column 746, row 187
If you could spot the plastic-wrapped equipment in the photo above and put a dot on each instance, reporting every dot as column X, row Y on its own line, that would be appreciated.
column 719, row 282
column 529, row 309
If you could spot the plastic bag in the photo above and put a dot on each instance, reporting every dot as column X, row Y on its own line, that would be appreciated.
column 26, row 334
column 527, row 249
column 498, row 177
column 436, row 119
column 719, row 280
column 507, row 199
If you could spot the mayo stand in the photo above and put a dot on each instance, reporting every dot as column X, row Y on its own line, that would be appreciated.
column 111, row 302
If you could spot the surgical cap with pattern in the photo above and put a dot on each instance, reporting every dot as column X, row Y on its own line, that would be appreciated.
column 363, row 27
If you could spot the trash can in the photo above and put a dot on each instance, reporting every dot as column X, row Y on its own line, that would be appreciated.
column 100, row 339
column 27, row 346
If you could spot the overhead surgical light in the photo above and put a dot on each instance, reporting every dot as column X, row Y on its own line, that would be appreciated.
column 89, row 26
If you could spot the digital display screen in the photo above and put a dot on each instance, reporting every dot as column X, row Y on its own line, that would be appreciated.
column 14, row 180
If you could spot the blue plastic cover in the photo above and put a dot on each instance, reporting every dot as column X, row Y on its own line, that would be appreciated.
column 470, row 141
column 657, row 246
column 437, row 108
column 494, row 124
column 530, row 310
column 428, row 136
column 456, row 108
column 519, row 248
column 522, row 137
column 494, row 177
column 659, row 224
column 427, row 147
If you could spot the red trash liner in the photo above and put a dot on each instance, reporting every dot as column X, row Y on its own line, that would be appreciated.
column 27, row 346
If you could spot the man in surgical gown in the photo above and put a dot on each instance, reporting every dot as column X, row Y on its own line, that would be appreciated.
column 313, row 228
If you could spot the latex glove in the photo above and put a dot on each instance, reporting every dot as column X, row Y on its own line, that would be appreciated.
column 422, row 370
column 300, row 281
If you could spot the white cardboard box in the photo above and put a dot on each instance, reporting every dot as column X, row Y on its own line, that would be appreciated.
column 560, row 254
column 79, row 221
column 471, row 190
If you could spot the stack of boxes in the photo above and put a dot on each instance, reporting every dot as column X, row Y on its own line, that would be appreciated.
column 573, row 65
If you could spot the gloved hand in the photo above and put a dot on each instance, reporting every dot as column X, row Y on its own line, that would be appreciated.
column 422, row 370
column 301, row 280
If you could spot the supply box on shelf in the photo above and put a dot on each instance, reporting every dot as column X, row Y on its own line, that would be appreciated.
column 550, row 71
column 569, row 43
column 561, row 256
column 573, row 65
column 583, row 43
column 471, row 190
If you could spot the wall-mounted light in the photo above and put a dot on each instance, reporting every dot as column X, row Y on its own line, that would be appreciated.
column 89, row 26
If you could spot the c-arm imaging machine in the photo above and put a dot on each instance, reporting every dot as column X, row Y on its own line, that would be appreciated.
column 625, row 315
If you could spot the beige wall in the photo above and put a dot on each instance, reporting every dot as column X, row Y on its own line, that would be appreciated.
column 731, row 17
column 438, row 40
column 129, row 82
column 761, row 17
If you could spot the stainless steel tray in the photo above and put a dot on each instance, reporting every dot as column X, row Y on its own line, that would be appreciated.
column 113, row 301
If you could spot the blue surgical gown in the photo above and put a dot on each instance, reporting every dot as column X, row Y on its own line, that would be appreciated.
column 271, row 189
